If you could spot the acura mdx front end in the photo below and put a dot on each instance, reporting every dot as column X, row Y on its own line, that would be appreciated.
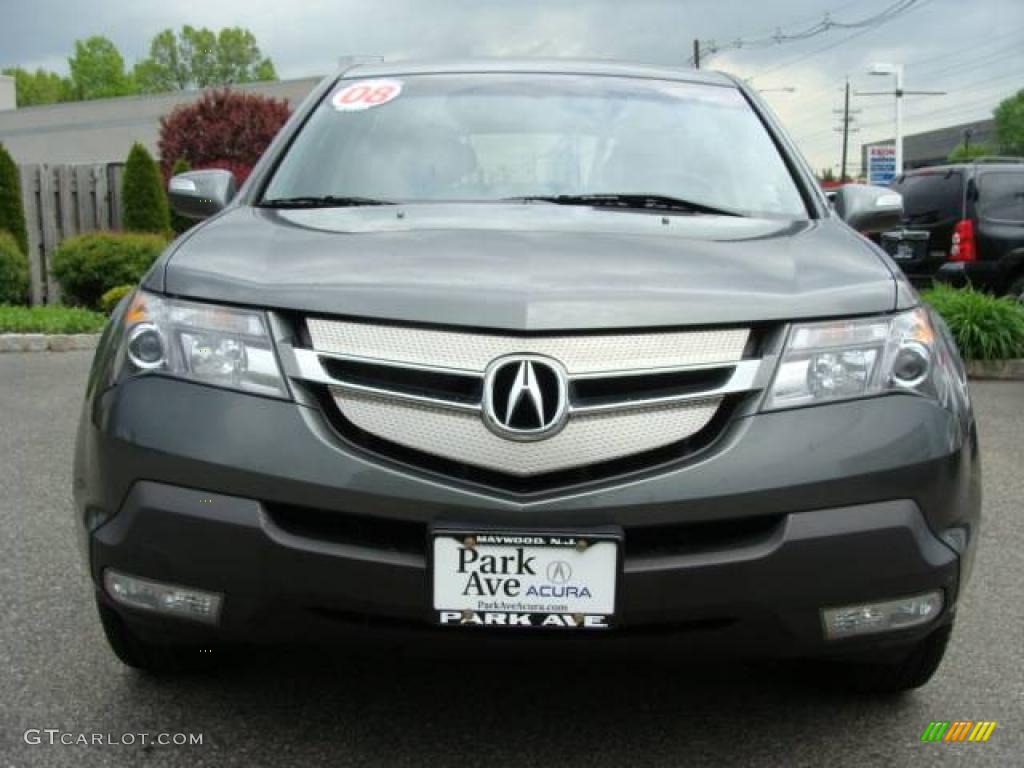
column 534, row 350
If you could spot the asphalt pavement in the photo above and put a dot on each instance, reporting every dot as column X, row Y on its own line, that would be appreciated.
column 375, row 707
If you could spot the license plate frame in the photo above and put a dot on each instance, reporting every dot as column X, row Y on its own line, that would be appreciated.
column 593, row 557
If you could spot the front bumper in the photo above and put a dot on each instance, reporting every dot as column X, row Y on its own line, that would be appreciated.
column 983, row 275
column 738, row 549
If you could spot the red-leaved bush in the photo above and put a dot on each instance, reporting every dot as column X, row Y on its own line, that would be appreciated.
column 222, row 129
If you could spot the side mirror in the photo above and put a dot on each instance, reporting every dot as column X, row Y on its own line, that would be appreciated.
column 868, row 209
column 200, row 194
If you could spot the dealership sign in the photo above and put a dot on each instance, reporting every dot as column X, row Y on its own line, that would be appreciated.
column 881, row 164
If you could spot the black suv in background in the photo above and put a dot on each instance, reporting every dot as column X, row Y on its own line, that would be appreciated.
column 963, row 224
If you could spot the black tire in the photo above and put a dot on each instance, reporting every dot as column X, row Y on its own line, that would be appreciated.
column 1016, row 287
column 154, row 658
column 912, row 671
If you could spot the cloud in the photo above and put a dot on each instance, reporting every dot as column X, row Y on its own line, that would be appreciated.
column 942, row 45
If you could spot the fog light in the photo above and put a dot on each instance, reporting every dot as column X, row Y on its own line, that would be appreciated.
column 868, row 618
column 162, row 598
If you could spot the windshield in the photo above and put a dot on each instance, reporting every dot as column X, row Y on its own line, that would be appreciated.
column 931, row 197
column 488, row 137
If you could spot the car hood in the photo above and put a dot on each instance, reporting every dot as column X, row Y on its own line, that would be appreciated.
column 529, row 267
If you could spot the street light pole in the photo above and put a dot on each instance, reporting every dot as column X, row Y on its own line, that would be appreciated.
column 896, row 70
column 968, row 132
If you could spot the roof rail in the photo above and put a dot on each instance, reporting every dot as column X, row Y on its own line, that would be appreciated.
column 997, row 159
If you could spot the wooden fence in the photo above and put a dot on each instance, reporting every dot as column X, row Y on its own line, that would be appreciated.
column 61, row 201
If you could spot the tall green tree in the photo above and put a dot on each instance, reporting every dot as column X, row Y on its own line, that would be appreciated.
column 200, row 48
column 239, row 59
column 12, row 214
column 144, row 200
column 1010, row 124
column 97, row 70
column 166, row 68
column 201, row 58
column 39, row 87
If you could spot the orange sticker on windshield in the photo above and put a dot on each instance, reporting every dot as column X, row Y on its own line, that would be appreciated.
column 365, row 94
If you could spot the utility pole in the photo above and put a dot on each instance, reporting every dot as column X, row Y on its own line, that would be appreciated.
column 896, row 70
column 696, row 53
column 844, row 128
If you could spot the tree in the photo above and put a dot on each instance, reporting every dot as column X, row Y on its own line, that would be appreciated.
column 827, row 174
column 239, row 59
column 13, row 271
column 97, row 70
column 145, row 203
column 166, row 68
column 962, row 153
column 1010, row 124
column 39, row 87
column 12, row 214
column 201, row 58
column 221, row 129
column 200, row 50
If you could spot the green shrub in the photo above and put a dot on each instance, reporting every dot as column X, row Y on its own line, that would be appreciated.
column 110, row 299
column 180, row 224
column 13, row 271
column 985, row 327
column 12, row 215
column 52, row 319
column 89, row 265
column 143, row 198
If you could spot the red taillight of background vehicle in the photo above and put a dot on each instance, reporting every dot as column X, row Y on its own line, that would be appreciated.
column 963, row 248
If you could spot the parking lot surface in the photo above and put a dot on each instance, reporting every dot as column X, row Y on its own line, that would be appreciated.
column 382, row 707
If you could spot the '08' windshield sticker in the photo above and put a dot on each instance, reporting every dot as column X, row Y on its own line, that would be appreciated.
column 365, row 94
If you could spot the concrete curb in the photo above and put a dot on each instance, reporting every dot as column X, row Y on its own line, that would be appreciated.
column 1006, row 370
column 47, row 342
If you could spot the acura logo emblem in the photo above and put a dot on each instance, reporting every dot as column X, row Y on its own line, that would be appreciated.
column 559, row 572
column 525, row 397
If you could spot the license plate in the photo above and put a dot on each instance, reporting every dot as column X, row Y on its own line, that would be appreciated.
column 497, row 579
column 904, row 251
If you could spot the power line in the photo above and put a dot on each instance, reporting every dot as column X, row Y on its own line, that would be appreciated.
column 1012, row 50
column 818, row 138
column 706, row 48
column 803, row 57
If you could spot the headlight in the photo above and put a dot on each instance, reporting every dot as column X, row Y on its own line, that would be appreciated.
column 846, row 359
column 206, row 343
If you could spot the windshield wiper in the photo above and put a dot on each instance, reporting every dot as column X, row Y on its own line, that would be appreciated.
column 323, row 201
column 634, row 201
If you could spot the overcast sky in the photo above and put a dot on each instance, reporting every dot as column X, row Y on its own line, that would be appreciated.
column 974, row 50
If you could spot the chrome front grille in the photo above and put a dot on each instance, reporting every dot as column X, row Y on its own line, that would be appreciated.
column 423, row 390
column 579, row 354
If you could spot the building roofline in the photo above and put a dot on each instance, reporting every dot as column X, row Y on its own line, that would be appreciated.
column 38, row 108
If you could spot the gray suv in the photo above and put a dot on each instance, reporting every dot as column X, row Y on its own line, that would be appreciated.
column 556, row 352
